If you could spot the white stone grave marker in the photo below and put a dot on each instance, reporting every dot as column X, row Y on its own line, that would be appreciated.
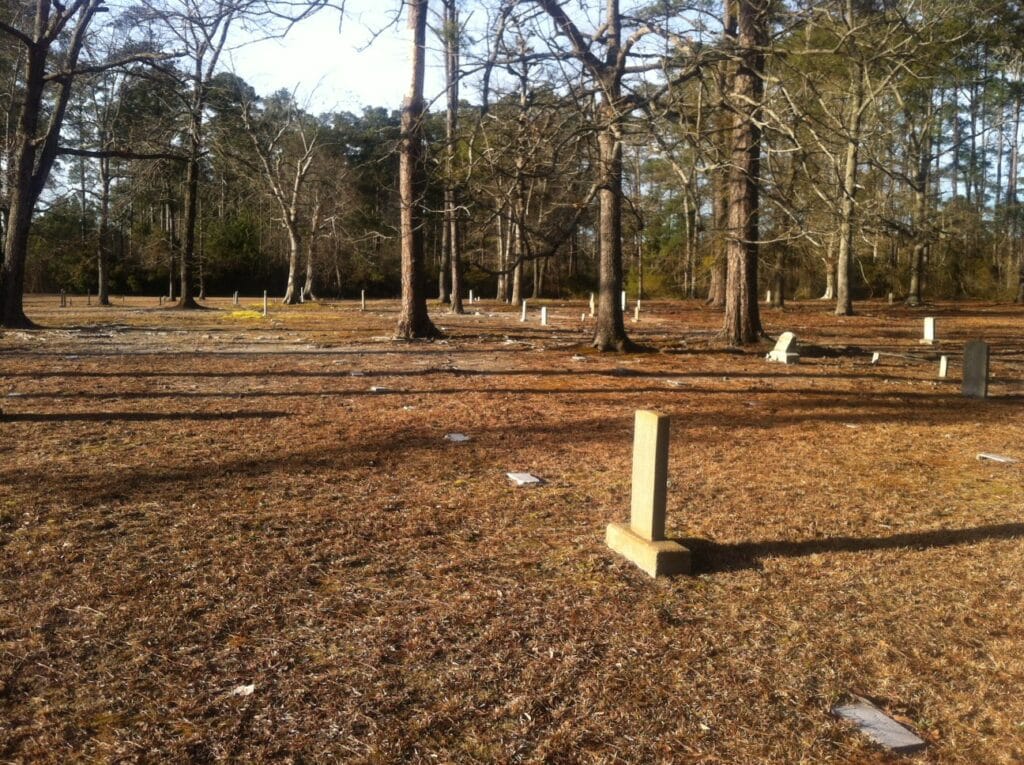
column 929, row 331
column 943, row 366
column 785, row 350
column 544, row 316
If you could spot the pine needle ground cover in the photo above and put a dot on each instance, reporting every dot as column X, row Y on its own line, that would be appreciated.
column 218, row 543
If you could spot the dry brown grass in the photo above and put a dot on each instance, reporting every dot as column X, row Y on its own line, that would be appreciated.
column 191, row 503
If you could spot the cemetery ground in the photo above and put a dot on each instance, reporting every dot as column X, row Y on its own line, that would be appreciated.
column 218, row 543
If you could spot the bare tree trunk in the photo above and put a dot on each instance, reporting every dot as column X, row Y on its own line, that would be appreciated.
column 103, row 246
column 314, row 225
column 517, row 272
column 188, row 249
column 610, row 330
column 413, row 322
column 445, row 265
column 742, row 317
column 779, row 279
column 503, row 248
column 291, row 294
column 450, row 31
column 844, row 262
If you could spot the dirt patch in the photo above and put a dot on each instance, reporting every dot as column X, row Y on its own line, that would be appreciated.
column 194, row 503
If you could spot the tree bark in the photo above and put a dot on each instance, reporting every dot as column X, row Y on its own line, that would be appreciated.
column 450, row 30
column 414, row 321
column 742, row 317
column 291, row 293
column 103, row 246
column 186, row 293
column 847, row 206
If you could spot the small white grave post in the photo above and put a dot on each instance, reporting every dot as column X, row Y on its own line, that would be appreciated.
column 592, row 305
column 544, row 316
column 235, row 298
column 636, row 312
column 471, row 296
column 768, row 297
column 264, row 302
column 943, row 366
column 362, row 300
column 929, row 331
column 522, row 316
column 891, row 298
column 642, row 540
column 623, row 300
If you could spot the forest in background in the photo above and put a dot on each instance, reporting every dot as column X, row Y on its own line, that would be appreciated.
column 882, row 150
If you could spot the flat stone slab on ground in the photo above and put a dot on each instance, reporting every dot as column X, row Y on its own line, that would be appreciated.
column 989, row 457
column 879, row 727
column 457, row 438
column 524, row 479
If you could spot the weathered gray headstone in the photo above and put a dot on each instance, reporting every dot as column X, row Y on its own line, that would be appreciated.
column 234, row 299
column 975, row 380
column 785, row 350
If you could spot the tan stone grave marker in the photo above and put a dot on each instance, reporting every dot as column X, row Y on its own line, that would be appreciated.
column 642, row 540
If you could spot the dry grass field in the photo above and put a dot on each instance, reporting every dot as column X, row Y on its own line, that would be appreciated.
column 216, row 543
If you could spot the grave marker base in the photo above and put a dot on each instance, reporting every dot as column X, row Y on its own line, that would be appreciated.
column 655, row 559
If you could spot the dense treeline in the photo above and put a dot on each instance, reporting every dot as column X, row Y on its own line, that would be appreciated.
column 836, row 148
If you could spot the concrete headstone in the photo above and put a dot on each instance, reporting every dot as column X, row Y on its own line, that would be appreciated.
column 643, row 540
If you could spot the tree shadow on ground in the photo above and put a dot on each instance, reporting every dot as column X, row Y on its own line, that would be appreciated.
column 711, row 557
column 135, row 416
